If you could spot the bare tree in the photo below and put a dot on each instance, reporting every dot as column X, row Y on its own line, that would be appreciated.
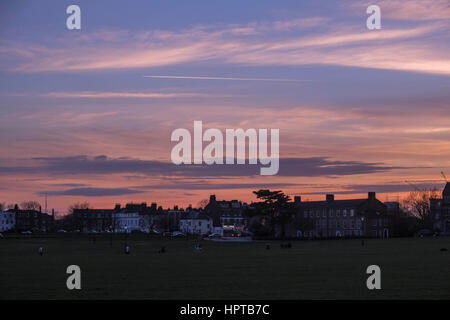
column 30, row 205
column 202, row 204
column 417, row 204
column 69, row 221
column 78, row 205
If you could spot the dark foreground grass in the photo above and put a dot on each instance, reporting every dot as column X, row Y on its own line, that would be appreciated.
column 411, row 269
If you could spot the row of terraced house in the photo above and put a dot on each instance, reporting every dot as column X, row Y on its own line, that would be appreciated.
column 365, row 217
column 368, row 217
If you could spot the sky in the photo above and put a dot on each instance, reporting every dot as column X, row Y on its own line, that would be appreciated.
column 87, row 115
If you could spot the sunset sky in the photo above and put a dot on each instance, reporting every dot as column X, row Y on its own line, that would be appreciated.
column 358, row 110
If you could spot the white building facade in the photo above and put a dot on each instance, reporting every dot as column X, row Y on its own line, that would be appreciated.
column 7, row 221
column 200, row 225
column 126, row 222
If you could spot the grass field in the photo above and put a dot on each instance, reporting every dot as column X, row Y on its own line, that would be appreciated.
column 410, row 269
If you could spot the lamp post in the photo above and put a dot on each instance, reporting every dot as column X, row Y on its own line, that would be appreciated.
column 111, row 237
column 126, row 235
column 363, row 227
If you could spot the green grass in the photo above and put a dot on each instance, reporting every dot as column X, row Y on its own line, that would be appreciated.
column 411, row 269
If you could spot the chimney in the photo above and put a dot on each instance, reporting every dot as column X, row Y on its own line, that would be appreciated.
column 117, row 207
column 297, row 199
column 330, row 197
column 212, row 198
column 175, row 208
column 371, row 195
column 153, row 206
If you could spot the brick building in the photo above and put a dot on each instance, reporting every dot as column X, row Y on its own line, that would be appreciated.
column 93, row 220
column 33, row 220
column 440, row 211
column 226, row 213
column 137, row 217
column 342, row 218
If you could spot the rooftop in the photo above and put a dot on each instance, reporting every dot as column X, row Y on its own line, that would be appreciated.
column 446, row 191
column 335, row 203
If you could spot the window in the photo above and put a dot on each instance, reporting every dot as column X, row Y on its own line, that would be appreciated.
column 338, row 213
column 324, row 213
column 352, row 212
column 345, row 212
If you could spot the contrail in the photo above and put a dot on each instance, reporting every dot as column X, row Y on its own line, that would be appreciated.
column 224, row 78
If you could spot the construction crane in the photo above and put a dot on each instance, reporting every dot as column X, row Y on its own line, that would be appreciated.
column 443, row 175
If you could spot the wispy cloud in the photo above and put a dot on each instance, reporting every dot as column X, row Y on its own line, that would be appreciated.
column 225, row 78
column 400, row 48
column 91, row 192
column 380, row 188
column 139, row 95
column 410, row 10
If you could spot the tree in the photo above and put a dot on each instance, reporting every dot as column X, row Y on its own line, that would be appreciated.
column 78, row 205
column 30, row 205
column 69, row 221
column 202, row 204
column 417, row 204
column 275, row 205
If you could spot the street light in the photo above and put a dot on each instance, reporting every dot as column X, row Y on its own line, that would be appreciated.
column 111, row 237
column 126, row 235
column 363, row 226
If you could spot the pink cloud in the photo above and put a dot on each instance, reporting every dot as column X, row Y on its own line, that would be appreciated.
column 141, row 95
column 393, row 49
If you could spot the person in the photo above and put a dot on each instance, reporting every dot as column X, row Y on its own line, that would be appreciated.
column 127, row 250
column 41, row 251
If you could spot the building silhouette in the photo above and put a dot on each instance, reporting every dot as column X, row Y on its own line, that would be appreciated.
column 440, row 211
column 342, row 218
